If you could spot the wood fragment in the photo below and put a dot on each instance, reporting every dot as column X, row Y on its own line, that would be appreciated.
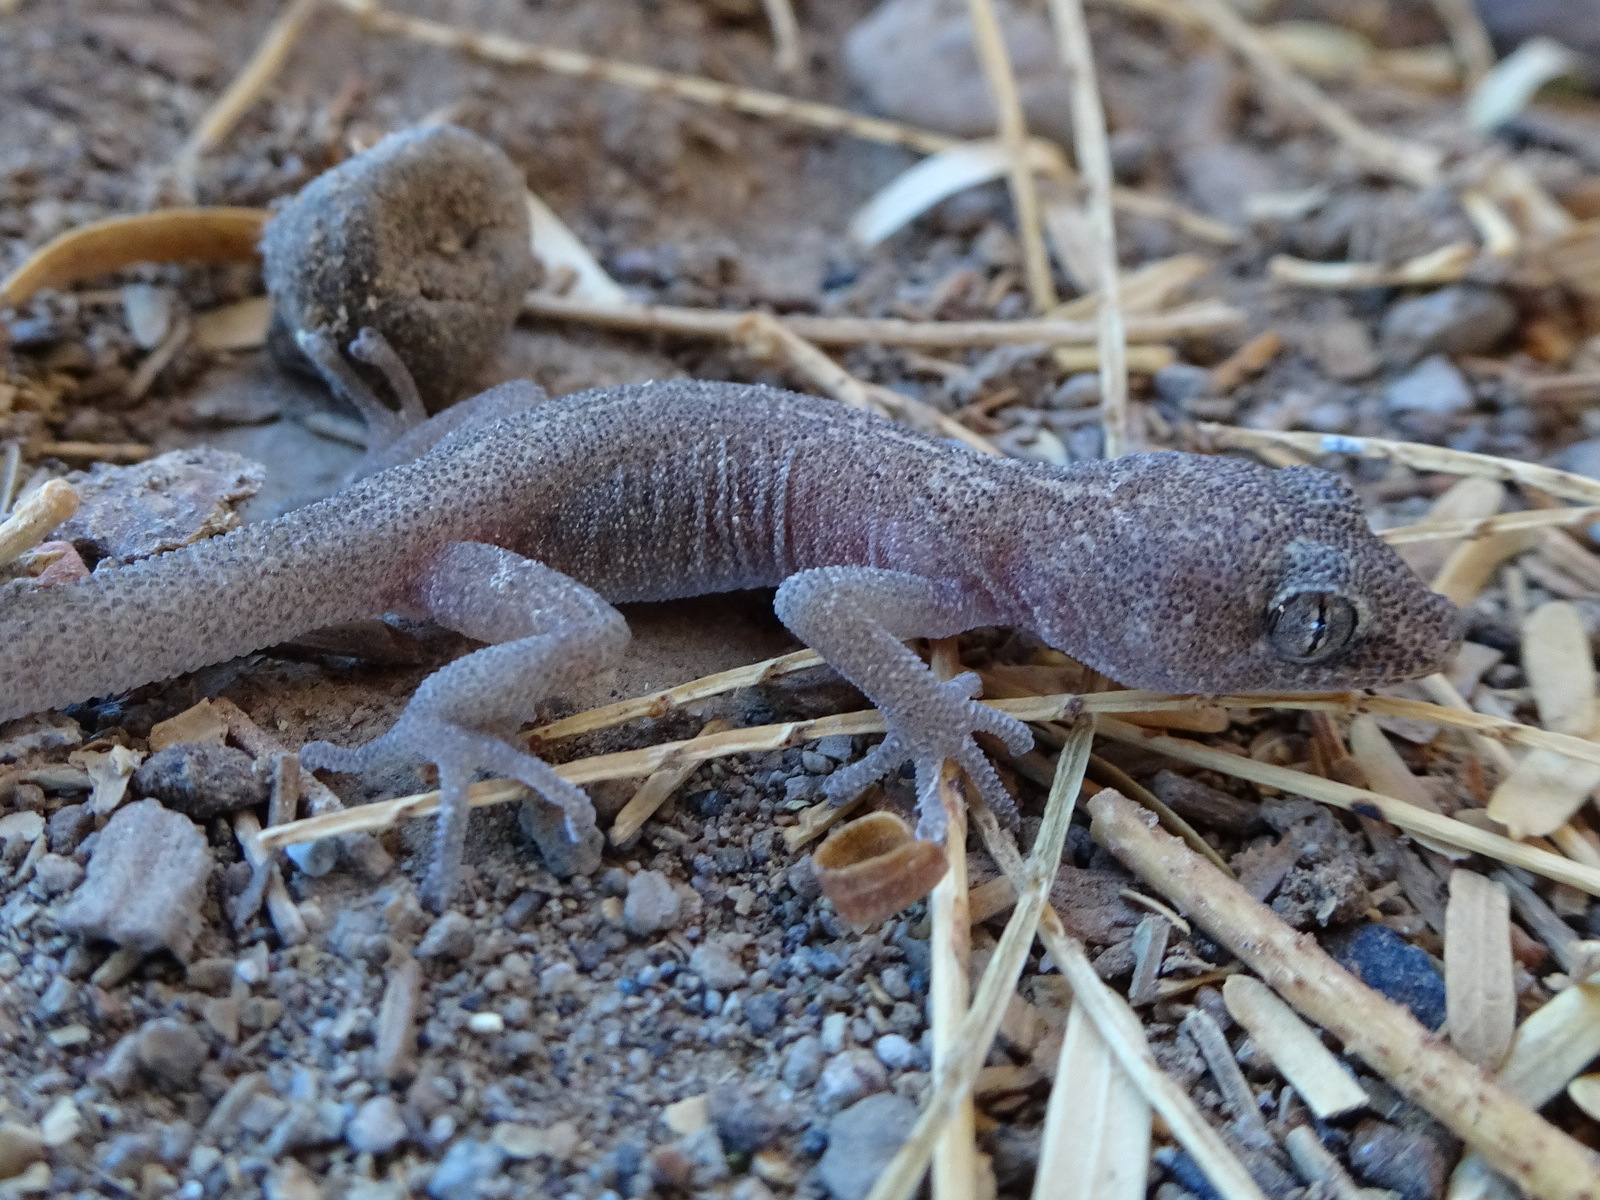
column 36, row 516
column 785, row 35
column 165, row 236
column 1480, row 992
column 1320, row 1079
column 1447, row 264
column 1149, row 948
column 1472, row 529
column 1468, row 38
column 1248, row 361
column 113, row 452
column 286, row 918
column 1541, row 1159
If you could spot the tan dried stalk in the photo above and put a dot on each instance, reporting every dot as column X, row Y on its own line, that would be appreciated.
column 1201, row 319
column 1093, row 153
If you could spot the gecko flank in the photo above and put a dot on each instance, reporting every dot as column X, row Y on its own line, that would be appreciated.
column 522, row 520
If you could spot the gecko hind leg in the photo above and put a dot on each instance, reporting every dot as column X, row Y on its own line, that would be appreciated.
column 544, row 628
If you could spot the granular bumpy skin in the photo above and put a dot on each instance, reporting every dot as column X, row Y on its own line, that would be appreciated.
column 424, row 238
column 528, row 519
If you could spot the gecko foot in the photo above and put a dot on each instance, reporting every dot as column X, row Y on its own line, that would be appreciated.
column 459, row 753
column 928, row 733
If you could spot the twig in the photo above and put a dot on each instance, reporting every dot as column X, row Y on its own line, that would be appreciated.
column 1537, row 1156
column 124, row 452
column 766, row 337
column 36, row 516
column 955, row 1163
column 1094, row 161
column 999, row 982
column 1417, row 455
column 1013, row 128
column 286, row 918
column 1468, row 38
column 246, row 87
column 1407, row 162
column 785, row 35
column 1447, row 264
column 1201, row 319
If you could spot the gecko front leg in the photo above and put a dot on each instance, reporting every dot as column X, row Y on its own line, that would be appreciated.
column 544, row 628
column 856, row 618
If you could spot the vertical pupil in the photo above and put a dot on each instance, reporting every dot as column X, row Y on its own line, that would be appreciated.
column 1319, row 624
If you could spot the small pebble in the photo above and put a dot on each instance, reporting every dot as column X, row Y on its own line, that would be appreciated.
column 464, row 1165
column 1462, row 319
column 545, row 826
column 68, row 826
column 895, row 1052
column 557, row 978
column 744, row 1123
column 762, row 1012
column 847, row 1077
column 201, row 781
column 20, row 1148
column 172, row 1051
column 377, row 1127
column 54, row 875
column 839, row 747
column 450, row 937
column 652, row 905
column 1401, row 1160
column 835, row 1032
column 1180, row 383
column 717, row 965
column 1428, row 395
column 486, row 1023
column 861, row 1141
column 803, row 1064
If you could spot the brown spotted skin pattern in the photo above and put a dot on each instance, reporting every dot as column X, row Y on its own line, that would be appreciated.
column 1158, row 569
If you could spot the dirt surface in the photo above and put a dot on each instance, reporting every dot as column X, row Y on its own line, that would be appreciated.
column 690, row 1018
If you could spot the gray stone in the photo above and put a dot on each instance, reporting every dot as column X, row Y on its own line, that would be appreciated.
column 53, row 875
column 1426, row 400
column 840, row 747
column 68, row 826
column 652, row 906
column 1582, row 458
column 803, row 1064
column 171, row 1051
column 895, row 1052
column 201, row 781
column 450, row 937
column 1182, row 382
column 464, row 1164
column 146, row 882
column 744, row 1122
column 848, row 1076
column 1462, row 319
column 861, row 1141
column 717, row 965
column 377, row 1127
column 546, row 827
column 1076, row 391
column 1343, row 349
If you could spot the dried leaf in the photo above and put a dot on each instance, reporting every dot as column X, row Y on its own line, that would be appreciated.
column 1479, row 989
column 1469, row 499
column 1542, row 793
column 1585, row 1093
column 1468, row 570
column 1553, row 1045
column 201, row 724
column 109, row 772
column 875, row 866
column 1324, row 1083
column 168, row 235
column 1506, row 90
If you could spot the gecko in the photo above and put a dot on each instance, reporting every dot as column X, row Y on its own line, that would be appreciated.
column 521, row 521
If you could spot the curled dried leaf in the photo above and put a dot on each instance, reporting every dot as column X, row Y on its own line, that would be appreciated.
column 169, row 235
column 874, row 867
column 1560, row 668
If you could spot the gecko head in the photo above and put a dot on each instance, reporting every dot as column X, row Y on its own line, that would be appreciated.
column 1235, row 578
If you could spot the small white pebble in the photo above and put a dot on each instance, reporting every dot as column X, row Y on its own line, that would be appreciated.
column 486, row 1023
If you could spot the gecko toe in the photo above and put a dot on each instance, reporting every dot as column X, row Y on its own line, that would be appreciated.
column 1016, row 735
column 850, row 781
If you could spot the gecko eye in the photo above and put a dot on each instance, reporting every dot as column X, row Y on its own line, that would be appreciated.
column 1311, row 626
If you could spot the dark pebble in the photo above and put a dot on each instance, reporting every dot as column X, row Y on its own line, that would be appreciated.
column 1386, row 962
column 744, row 1123
column 1401, row 1160
column 761, row 1012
